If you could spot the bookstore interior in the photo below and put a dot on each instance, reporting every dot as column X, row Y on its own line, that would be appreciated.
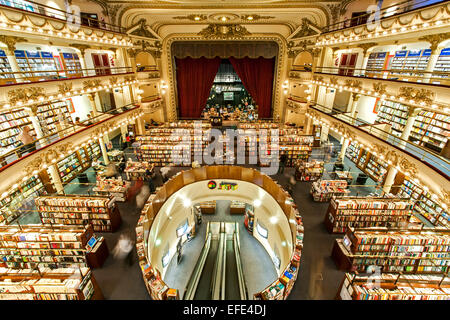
column 327, row 177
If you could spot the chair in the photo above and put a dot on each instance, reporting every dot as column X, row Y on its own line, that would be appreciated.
column 362, row 178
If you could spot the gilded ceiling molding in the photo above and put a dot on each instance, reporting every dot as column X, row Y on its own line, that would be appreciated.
column 305, row 30
column 379, row 87
column 81, row 47
column 334, row 80
column 352, row 83
column 11, row 42
column 435, row 39
column 243, row 5
column 255, row 17
column 224, row 31
column 113, row 80
column 171, row 109
column 424, row 96
column 446, row 196
column 366, row 46
column 25, row 95
column 192, row 17
column 113, row 9
column 91, row 84
column 65, row 87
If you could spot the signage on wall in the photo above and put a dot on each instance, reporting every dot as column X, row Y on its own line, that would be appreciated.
column 212, row 184
column 227, row 186
column 223, row 185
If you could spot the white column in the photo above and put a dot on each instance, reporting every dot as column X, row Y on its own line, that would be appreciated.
column 308, row 127
column 37, row 128
column 104, row 151
column 390, row 177
column 366, row 59
column 324, row 133
column 53, row 170
column 92, row 99
column 139, row 125
column 431, row 64
column 14, row 65
column 412, row 115
column 354, row 104
column 344, row 148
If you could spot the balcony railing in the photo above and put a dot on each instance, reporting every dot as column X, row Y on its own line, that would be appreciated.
column 55, row 13
column 146, row 68
column 8, row 78
column 419, row 76
column 387, row 12
column 427, row 156
column 22, row 150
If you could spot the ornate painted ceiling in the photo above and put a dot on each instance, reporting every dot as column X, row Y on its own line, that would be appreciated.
column 165, row 17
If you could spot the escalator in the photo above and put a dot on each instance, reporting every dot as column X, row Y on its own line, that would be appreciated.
column 218, row 273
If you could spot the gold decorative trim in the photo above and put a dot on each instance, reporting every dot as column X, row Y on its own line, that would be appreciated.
column 26, row 94
column 171, row 109
column 224, row 31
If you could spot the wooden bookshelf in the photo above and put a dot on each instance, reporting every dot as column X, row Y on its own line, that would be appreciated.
column 357, row 212
column 281, row 288
column 19, row 200
column 158, row 144
column 431, row 130
column 6, row 75
column 408, row 251
column 425, row 204
column 101, row 212
column 48, row 284
column 396, row 114
column 32, row 246
column 392, row 286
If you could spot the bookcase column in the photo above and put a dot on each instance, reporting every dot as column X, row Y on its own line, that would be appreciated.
column 412, row 115
column 56, row 179
column 365, row 60
column 101, row 142
column 344, row 148
column 390, row 178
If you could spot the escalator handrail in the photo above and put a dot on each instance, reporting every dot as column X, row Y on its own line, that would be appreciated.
column 191, row 288
column 216, row 282
column 242, row 286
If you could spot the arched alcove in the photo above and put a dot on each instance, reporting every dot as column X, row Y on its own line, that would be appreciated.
column 303, row 58
column 145, row 59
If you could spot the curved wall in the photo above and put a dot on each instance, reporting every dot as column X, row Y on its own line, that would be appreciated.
column 177, row 209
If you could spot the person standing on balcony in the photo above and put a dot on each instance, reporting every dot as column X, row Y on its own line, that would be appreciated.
column 27, row 142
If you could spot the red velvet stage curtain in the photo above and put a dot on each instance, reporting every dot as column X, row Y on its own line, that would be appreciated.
column 195, row 78
column 257, row 78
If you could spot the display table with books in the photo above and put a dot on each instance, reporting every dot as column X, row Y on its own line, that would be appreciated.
column 324, row 190
column 115, row 187
column 136, row 170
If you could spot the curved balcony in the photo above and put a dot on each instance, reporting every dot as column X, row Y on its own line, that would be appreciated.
column 432, row 169
column 388, row 12
column 27, row 77
column 410, row 19
column 54, row 13
column 20, row 160
column 433, row 78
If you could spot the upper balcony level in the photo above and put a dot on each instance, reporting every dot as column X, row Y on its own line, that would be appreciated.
column 421, row 95
column 31, row 94
column 398, row 22
column 30, row 19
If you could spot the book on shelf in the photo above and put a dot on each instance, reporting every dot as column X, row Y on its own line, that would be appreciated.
column 101, row 212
